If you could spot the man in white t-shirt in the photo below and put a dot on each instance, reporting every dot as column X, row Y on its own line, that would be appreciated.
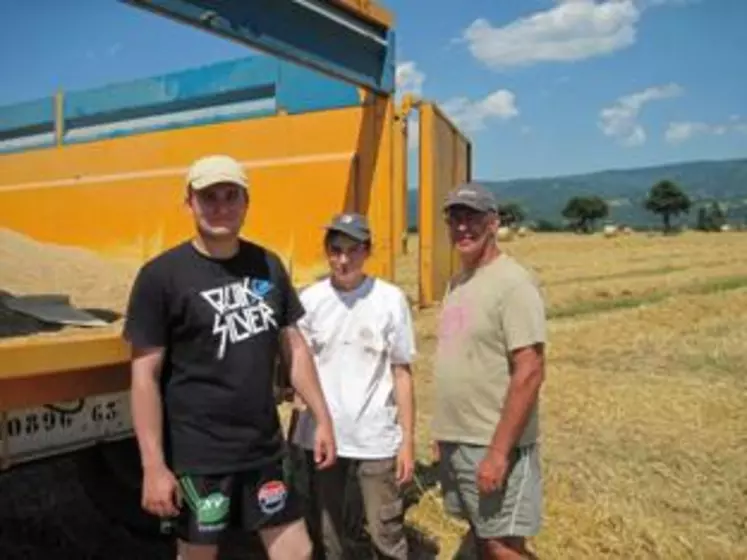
column 360, row 331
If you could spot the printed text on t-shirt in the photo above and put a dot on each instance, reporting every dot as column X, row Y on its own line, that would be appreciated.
column 454, row 321
column 240, row 311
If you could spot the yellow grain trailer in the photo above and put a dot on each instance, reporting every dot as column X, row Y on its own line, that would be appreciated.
column 92, row 185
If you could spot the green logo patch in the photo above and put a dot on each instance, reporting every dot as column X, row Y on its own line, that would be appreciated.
column 211, row 510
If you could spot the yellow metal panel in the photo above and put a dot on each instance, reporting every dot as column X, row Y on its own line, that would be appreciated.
column 33, row 356
column 290, row 216
column 399, row 185
column 368, row 9
column 375, row 177
column 123, row 198
column 444, row 163
column 60, row 386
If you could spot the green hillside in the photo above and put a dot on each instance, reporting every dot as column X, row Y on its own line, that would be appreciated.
column 625, row 190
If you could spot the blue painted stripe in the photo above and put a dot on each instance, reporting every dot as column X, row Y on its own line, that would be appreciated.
column 142, row 111
column 27, row 142
column 301, row 90
column 28, row 117
column 227, row 91
column 309, row 32
column 176, row 91
column 172, row 120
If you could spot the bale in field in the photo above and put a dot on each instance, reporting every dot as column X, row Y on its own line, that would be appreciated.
column 610, row 231
column 523, row 231
column 505, row 234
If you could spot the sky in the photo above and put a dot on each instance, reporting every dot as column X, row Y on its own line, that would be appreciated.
column 540, row 87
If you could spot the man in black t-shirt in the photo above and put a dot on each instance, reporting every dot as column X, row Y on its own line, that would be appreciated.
column 207, row 321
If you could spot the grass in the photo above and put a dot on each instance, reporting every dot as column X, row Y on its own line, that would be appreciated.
column 627, row 301
column 644, row 423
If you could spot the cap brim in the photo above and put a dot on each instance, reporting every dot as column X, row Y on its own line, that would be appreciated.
column 205, row 184
column 350, row 232
column 466, row 204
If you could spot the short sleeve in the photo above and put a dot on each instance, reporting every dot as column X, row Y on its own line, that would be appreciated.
column 304, row 322
column 403, row 347
column 146, row 321
column 292, row 308
column 523, row 317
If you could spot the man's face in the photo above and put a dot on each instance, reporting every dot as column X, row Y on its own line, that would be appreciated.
column 470, row 230
column 346, row 258
column 219, row 210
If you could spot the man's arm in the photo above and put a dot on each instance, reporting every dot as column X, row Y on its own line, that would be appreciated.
column 303, row 374
column 145, row 397
column 403, row 354
column 523, row 391
column 404, row 396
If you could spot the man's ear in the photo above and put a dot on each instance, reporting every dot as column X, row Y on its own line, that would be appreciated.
column 494, row 222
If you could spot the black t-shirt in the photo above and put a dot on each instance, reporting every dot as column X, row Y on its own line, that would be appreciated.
column 219, row 321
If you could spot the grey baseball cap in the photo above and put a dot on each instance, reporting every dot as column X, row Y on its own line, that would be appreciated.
column 472, row 195
column 351, row 224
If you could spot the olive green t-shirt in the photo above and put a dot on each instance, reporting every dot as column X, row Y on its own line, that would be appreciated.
column 498, row 309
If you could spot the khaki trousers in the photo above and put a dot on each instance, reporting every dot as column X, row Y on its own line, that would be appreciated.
column 335, row 505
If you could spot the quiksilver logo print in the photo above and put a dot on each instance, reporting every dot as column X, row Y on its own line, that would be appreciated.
column 240, row 312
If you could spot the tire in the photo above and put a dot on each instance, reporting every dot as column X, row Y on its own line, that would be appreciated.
column 111, row 475
column 59, row 508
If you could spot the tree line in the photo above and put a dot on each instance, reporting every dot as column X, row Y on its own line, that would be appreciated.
column 665, row 199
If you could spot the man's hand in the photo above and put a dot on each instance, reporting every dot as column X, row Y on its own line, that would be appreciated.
column 325, row 449
column 405, row 464
column 492, row 471
column 161, row 492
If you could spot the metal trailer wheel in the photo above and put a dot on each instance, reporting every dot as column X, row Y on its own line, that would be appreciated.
column 111, row 476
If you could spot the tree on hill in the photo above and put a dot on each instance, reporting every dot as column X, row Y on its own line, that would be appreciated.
column 511, row 214
column 710, row 218
column 667, row 199
column 583, row 211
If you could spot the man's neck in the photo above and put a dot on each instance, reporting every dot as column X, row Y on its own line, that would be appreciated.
column 347, row 288
column 216, row 248
column 489, row 253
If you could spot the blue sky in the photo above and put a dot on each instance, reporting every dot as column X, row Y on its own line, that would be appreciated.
column 542, row 87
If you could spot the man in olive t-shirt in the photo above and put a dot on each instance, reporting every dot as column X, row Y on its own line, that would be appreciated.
column 489, row 368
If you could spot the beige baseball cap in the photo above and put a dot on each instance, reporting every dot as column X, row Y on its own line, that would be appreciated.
column 213, row 169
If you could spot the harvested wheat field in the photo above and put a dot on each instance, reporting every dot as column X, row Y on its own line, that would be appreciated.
column 644, row 409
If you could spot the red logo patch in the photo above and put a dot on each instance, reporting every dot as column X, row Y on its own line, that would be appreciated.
column 272, row 496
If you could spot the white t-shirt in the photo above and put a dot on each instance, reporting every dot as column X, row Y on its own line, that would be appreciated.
column 355, row 338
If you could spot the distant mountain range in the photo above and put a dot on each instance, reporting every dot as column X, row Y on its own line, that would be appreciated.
column 624, row 190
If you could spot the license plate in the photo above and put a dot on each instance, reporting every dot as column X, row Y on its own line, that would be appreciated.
column 53, row 429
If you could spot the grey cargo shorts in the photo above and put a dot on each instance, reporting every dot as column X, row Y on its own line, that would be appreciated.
column 515, row 510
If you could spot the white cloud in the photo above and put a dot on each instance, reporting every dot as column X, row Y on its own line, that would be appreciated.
column 669, row 2
column 409, row 79
column 471, row 115
column 681, row 131
column 570, row 30
column 620, row 120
